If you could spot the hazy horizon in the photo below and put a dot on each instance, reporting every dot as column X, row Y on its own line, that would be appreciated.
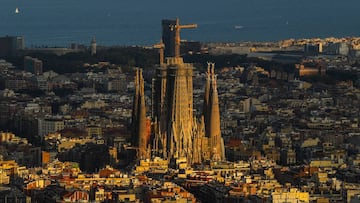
column 59, row 23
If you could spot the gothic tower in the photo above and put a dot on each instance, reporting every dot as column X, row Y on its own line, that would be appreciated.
column 173, row 107
column 139, row 136
column 173, row 98
column 212, row 116
column 177, row 133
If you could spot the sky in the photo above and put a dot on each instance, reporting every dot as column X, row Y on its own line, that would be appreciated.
column 60, row 22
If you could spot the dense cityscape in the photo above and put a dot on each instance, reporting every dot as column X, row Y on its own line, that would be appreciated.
column 181, row 121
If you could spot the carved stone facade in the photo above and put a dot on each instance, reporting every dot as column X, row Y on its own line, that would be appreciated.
column 176, row 132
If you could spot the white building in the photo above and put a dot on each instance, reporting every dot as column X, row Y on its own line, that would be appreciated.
column 50, row 125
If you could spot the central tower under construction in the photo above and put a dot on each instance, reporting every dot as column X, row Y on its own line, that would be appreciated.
column 173, row 108
column 173, row 98
column 176, row 132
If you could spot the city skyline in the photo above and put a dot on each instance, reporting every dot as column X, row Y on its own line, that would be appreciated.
column 180, row 120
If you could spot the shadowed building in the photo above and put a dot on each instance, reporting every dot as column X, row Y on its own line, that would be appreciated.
column 33, row 65
column 168, row 37
column 93, row 47
column 10, row 45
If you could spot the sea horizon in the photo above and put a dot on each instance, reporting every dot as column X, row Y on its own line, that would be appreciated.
column 138, row 23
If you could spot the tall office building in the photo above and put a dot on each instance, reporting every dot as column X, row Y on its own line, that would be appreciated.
column 10, row 45
column 33, row 65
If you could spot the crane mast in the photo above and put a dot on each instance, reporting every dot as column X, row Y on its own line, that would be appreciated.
column 161, row 47
column 177, row 27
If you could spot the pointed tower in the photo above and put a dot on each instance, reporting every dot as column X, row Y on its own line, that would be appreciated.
column 206, row 107
column 140, row 139
column 180, row 112
column 212, row 120
column 134, row 114
column 173, row 97
column 200, row 142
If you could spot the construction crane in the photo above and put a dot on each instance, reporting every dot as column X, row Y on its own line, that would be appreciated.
column 161, row 47
column 177, row 27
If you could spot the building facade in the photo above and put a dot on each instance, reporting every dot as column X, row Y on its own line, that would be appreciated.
column 9, row 45
column 33, row 65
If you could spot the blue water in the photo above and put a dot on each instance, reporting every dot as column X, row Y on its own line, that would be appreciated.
column 138, row 22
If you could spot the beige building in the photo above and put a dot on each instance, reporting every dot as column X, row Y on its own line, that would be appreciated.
column 291, row 196
column 4, row 178
column 93, row 104
column 94, row 131
column 155, row 165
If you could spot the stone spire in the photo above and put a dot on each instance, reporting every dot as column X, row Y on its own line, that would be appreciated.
column 212, row 122
column 200, row 142
column 181, row 109
column 134, row 116
column 177, row 133
column 173, row 108
column 206, row 107
column 140, row 140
